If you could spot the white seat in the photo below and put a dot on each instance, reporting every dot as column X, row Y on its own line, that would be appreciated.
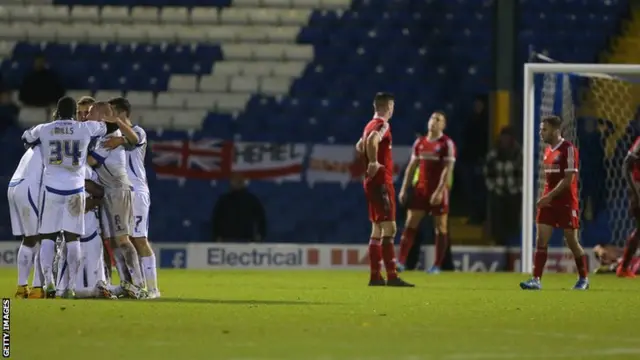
column 42, row 32
column 155, row 118
column 227, row 68
column 247, row 3
column 30, row 116
column 141, row 99
column 289, row 69
column 235, row 16
column 199, row 100
column 23, row 13
column 53, row 13
column 278, row 3
column 105, row 95
column 84, row 14
column 183, row 83
column 142, row 14
column 161, row 34
column 204, row 16
column 115, row 14
column 275, row 85
column 13, row 31
column 214, row 83
column 99, row 34
column 264, row 16
column 191, row 34
column 252, row 34
column 4, row 14
column 129, row 34
column 258, row 68
column 167, row 100
column 67, row 33
column 304, row 4
column 222, row 34
column 335, row 4
column 231, row 102
column 244, row 84
column 282, row 34
column 298, row 52
column 188, row 120
column 268, row 52
column 298, row 17
column 238, row 51
column 174, row 15
column 6, row 48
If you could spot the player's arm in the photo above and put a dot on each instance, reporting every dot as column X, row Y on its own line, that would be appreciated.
column 91, row 204
column 360, row 146
column 627, row 170
column 447, row 170
column 94, row 189
column 371, row 146
column 130, row 136
column 31, row 137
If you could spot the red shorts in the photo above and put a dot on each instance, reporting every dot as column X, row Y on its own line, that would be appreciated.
column 634, row 207
column 559, row 217
column 421, row 200
column 381, row 200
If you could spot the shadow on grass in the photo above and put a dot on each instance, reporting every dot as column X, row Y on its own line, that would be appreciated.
column 232, row 301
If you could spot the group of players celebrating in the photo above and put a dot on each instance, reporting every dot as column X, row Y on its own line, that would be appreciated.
column 434, row 154
column 82, row 182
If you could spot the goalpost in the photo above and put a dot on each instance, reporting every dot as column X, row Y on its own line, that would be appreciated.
column 599, row 100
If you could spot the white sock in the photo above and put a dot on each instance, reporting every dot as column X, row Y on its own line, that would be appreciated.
column 38, row 277
column 115, row 289
column 133, row 264
column 86, row 292
column 121, row 266
column 149, row 270
column 25, row 262
column 47, row 253
column 62, row 277
column 73, row 262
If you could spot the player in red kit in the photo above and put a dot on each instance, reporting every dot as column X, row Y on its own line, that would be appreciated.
column 375, row 144
column 435, row 153
column 558, row 207
column 631, row 171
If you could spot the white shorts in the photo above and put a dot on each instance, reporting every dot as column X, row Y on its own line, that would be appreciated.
column 117, row 213
column 141, row 205
column 23, row 199
column 91, row 264
column 62, row 210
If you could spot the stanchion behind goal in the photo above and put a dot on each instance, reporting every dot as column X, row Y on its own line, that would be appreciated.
column 597, row 102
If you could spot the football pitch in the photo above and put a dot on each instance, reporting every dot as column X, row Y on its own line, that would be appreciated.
column 334, row 315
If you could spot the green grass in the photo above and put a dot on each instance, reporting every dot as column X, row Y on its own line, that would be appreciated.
column 333, row 315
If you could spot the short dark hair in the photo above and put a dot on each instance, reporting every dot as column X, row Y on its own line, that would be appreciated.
column 121, row 104
column 441, row 113
column 86, row 100
column 554, row 121
column 66, row 108
column 382, row 99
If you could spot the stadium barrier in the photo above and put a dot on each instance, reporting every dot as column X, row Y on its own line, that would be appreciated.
column 323, row 256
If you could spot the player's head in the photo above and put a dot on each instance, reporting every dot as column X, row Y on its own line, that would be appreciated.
column 550, row 128
column 99, row 110
column 237, row 181
column 83, row 105
column 121, row 106
column 66, row 109
column 383, row 104
column 437, row 122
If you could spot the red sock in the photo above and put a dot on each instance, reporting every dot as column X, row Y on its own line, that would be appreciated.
column 630, row 249
column 406, row 243
column 442, row 241
column 582, row 263
column 389, row 257
column 539, row 261
column 375, row 257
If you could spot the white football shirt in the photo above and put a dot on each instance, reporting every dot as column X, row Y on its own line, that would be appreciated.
column 112, row 168
column 30, row 167
column 135, row 161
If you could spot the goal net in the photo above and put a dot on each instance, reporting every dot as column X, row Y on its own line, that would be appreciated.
column 599, row 106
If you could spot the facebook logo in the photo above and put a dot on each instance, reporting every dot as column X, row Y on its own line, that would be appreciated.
column 173, row 258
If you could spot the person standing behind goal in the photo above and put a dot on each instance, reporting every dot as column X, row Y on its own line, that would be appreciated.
column 141, row 198
column 110, row 165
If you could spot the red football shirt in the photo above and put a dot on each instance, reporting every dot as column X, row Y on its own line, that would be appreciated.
column 557, row 161
column 434, row 155
column 385, row 175
column 635, row 153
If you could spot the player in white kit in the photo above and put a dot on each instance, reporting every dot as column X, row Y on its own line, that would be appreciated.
column 90, row 281
column 117, row 204
column 23, row 195
column 63, row 147
column 141, row 197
